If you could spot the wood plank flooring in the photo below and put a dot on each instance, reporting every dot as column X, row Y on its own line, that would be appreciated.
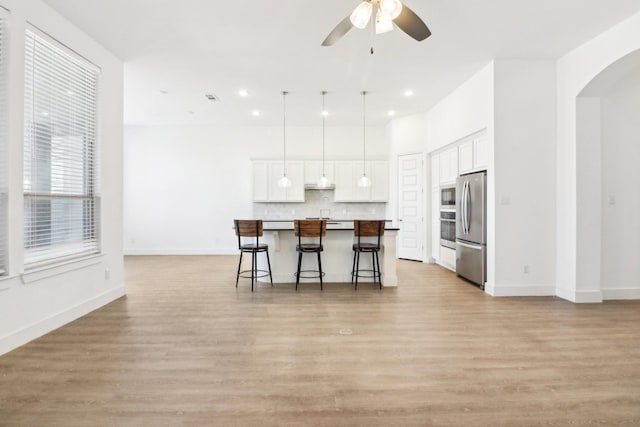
column 186, row 348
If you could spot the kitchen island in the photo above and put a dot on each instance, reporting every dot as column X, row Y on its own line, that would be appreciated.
column 337, row 257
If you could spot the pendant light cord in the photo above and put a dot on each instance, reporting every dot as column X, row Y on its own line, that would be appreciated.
column 323, row 117
column 364, row 137
column 284, row 132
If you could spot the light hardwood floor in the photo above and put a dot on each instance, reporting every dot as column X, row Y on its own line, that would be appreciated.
column 185, row 347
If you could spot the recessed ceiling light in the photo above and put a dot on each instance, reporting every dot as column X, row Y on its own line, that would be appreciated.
column 391, row 113
column 255, row 113
column 243, row 93
column 325, row 113
column 408, row 93
column 164, row 92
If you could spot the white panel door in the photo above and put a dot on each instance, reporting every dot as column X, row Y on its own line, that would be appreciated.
column 410, row 207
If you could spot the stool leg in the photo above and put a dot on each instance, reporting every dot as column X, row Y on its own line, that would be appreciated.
column 373, row 265
column 357, row 267
column 269, row 264
column 239, row 264
column 353, row 267
column 379, row 274
column 320, row 269
column 298, row 272
column 253, row 267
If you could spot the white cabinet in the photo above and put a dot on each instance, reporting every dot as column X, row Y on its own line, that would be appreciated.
column 260, row 173
column 447, row 258
column 347, row 175
column 465, row 157
column 481, row 152
column 266, row 175
column 473, row 155
column 435, row 223
column 313, row 172
column 449, row 165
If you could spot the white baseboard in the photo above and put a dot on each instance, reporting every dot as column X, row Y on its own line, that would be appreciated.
column 447, row 266
column 520, row 290
column 582, row 297
column 620, row 293
column 180, row 251
column 29, row 333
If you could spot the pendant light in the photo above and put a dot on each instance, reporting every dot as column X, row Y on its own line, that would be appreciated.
column 364, row 180
column 323, row 182
column 284, row 182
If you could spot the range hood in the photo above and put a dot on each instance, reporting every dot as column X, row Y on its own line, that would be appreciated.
column 317, row 187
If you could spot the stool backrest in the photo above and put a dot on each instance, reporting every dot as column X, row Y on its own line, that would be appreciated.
column 368, row 228
column 310, row 228
column 248, row 228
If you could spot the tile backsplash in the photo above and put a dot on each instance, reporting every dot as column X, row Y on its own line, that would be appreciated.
column 319, row 203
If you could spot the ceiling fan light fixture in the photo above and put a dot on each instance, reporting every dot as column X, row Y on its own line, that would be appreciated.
column 384, row 24
column 391, row 8
column 361, row 15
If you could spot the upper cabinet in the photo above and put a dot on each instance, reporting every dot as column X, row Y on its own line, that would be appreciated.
column 266, row 175
column 347, row 175
column 313, row 171
column 344, row 175
column 474, row 154
column 435, row 170
column 449, row 165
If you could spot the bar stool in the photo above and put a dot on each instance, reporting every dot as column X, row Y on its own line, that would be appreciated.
column 251, row 228
column 367, row 228
column 309, row 228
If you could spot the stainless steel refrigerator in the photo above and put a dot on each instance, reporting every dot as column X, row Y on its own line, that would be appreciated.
column 471, row 227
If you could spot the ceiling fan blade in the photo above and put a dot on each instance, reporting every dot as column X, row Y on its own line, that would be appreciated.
column 340, row 30
column 411, row 24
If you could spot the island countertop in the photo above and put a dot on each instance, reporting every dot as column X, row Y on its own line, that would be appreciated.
column 332, row 225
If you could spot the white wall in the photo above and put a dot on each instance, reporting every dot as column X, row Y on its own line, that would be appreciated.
column 575, row 70
column 465, row 111
column 185, row 185
column 620, row 268
column 524, row 170
column 35, row 303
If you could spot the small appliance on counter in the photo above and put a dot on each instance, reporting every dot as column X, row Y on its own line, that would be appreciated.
column 471, row 227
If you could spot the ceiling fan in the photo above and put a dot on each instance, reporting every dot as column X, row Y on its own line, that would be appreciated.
column 387, row 13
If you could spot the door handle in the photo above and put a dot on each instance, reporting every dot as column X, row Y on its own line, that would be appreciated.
column 468, row 213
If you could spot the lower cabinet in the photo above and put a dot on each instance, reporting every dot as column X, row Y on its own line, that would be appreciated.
column 447, row 258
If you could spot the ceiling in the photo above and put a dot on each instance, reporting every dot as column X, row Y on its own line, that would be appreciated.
column 193, row 47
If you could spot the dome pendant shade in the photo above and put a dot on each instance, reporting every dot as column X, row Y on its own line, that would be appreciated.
column 324, row 182
column 364, row 181
column 361, row 15
column 284, row 182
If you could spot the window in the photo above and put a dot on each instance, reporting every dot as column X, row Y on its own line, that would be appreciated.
column 3, row 151
column 61, row 202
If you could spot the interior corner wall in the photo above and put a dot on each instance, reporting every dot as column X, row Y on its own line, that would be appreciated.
column 575, row 70
column 33, row 304
column 184, row 185
column 524, row 169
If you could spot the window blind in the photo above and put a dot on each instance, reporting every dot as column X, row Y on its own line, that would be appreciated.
column 3, row 151
column 61, row 202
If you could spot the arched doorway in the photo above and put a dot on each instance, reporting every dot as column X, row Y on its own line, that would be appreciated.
column 608, row 181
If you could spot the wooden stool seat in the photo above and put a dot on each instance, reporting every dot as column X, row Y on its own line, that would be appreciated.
column 372, row 229
column 248, row 229
column 315, row 229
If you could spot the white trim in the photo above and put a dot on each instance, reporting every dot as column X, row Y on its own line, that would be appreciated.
column 579, row 296
column 22, row 336
column 181, row 251
column 620, row 293
column 520, row 290
column 36, row 274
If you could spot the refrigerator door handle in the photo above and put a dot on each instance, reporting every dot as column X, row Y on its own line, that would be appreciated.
column 467, row 245
column 467, row 207
column 461, row 213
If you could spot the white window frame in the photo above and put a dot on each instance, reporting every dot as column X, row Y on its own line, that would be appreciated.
column 69, row 228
